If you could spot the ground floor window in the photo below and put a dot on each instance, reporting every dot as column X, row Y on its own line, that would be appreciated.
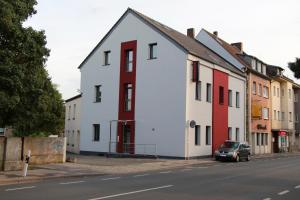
column 208, row 135
column 96, row 132
column 257, row 139
column 197, row 135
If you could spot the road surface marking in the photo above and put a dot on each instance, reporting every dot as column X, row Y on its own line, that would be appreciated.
column 267, row 199
column 141, row 175
column 283, row 192
column 202, row 167
column 22, row 188
column 74, row 182
column 184, row 170
column 297, row 187
column 107, row 179
column 133, row 192
column 165, row 172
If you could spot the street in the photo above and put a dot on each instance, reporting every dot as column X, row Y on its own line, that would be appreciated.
column 271, row 178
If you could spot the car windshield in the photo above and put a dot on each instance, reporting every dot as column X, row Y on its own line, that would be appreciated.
column 233, row 145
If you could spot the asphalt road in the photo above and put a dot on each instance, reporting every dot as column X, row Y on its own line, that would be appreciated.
column 258, row 179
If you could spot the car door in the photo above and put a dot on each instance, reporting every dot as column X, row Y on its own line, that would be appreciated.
column 242, row 151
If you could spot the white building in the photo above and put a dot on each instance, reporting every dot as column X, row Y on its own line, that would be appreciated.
column 162, row 83
column 72, row 123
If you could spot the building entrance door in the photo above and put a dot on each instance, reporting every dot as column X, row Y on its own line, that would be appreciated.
column 126, row 139
column 275, row 142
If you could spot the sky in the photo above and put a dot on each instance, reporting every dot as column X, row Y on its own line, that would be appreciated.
column 269, row 29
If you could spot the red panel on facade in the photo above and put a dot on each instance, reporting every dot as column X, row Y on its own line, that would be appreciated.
column 195, row 71
column 127, row 78
column 220, row 111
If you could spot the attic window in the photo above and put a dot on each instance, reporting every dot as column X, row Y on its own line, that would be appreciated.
column 106, row 57
column 153, row 51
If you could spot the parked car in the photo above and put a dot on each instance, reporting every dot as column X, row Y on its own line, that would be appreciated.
column 232, row 150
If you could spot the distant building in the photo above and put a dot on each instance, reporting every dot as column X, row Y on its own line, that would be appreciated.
column 296, row 88
column 72, row 123
column 148, row 89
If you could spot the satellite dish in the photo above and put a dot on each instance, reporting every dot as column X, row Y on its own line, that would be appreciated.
column 192, row 123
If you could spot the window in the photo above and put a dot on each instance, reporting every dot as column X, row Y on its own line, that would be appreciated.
column 74, row 111
column 274, row 91
column 254, row 88
column 153, row 51
column 290, row 116
column 1, row 131
column 265, row 112
column 264, row 70
column 237, row 99
column 237, row 134
column 198, row 91
column 282, row 92
column 282, row 116
column 278, row 115
column 266, row 92
column 296, row 117
column 229, row 133
column 208, row 92
column 257, row 139
column 229, row 98
column 128, row 96
column 98, row 93
column 129, row 59
column 221, row 95
column 253, row 63
column 96, row 132
column 69, row 114
column 274, row 115
column 262, row 139
column 259, row 89
column 208, row 135
column 106, row 57
column 277, row 92
column 259, row 67
column 266, row 139
column 197, row 135
column 290, row 94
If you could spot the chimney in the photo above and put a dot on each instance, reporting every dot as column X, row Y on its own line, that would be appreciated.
column 215, row 33
column 190, row 33
column 238, row 45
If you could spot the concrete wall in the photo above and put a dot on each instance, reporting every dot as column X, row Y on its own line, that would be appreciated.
column 43, row 150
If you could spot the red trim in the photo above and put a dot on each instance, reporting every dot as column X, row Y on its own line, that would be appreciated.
column 219, row 111
column 195, row 71
column 125, row 78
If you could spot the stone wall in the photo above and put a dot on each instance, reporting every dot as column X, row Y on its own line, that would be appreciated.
column 44, row 150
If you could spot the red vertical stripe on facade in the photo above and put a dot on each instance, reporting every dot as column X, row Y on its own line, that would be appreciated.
column 220, row 111
column 127, row 78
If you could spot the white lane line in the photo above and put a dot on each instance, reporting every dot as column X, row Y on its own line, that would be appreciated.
column 141, row 175
column 297, row 187
column 133, row 192
column 68, row 183
column 165, row 172
column 21, row 188
column 267, row 199
column 185, row 170
column 107, row 179
column 283, row 192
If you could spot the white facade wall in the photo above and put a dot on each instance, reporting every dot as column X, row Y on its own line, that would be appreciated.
column 160, row 91
column 199, row 111
column 276, row 104
column 72, row 125
column 237, row 116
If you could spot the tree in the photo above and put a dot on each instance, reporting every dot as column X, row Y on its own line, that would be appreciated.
column 28, row 100
column 295, row 67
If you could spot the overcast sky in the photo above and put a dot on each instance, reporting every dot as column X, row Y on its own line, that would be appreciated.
column 269, row 29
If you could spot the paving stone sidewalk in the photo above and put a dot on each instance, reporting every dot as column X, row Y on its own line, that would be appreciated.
column 99, row 165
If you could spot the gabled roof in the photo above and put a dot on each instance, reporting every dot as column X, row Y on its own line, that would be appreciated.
column 73, row 98
column 184, row 42
column 234, row 51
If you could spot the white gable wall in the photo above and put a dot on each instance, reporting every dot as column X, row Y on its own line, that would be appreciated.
column 160, row 91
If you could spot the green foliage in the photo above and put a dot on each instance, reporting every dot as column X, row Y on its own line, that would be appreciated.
column 295, row 67
column 28, row 100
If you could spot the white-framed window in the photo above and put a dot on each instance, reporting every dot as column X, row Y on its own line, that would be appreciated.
column 259, row 67
column 208, row 135
column 197, row 135
column 266, row 92
column 106, row 58
column 254, row 87
column 128, row 96
column 237, row 99
column 265, row 112
column 96, row 136
column 198, row 91
column 129, row 60
column 153, row 51
column 264, row 69
column 259, row 89
column 230, row 98
column 208, row 92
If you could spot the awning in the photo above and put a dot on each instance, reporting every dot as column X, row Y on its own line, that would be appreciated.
column 282, row 133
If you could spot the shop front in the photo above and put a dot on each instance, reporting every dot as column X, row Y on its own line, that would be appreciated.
column 280, row 140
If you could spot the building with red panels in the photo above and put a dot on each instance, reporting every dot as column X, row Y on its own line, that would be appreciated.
column 149, row 89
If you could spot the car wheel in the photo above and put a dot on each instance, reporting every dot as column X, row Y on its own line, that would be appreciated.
column 248, row 157
column 237, row 159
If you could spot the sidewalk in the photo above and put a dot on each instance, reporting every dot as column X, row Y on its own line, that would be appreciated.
column 98, row 165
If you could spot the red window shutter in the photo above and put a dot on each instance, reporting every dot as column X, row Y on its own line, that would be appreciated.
column 195, row 71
